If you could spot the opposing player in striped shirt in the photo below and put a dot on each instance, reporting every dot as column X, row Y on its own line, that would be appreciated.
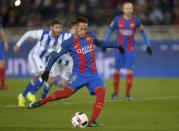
column 48, row 40
column 65, row 66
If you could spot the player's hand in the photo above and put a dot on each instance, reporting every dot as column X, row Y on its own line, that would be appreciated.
column 104, row 50
column 45, row 76
column 16, row 49
column 149, row 50
column 121, row 49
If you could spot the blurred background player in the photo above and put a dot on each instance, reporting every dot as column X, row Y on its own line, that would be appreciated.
column 48, row 41
column 3, row 47
column 81, row 48
column 125, row 26
column 65, row 66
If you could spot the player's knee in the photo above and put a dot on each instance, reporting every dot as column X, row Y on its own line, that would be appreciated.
column 51, row 80
column 63, row 83
column 116, row 72
column 2, row 64
column 129, row 71
column 100, row 92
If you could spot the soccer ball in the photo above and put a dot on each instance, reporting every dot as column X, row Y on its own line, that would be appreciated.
column 79, row 120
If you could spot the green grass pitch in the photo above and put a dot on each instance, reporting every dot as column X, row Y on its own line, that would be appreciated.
column 155, row 107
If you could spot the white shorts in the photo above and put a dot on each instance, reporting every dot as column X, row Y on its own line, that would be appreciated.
column 63, row 67
column 60, row 71
column 37, row 66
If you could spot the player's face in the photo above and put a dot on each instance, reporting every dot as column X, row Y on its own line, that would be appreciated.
column 56, row 29
column 81, row 29
column 128, row 9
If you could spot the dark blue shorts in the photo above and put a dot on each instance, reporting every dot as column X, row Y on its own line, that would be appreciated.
column 91, row 81
column 126, row 61
column 2, row 53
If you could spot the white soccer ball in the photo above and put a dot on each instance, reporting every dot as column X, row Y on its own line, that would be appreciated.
column 79, row 120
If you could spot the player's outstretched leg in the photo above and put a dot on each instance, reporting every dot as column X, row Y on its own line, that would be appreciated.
column 98, row 105
column 66, row 92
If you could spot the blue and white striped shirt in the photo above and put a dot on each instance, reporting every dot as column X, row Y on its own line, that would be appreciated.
column 46, row 44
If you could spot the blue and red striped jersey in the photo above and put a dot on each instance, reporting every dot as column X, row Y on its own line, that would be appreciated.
column 82, row 52
column 125, row 31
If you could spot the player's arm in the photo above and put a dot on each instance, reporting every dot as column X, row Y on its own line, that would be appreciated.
column 104, row 44
column 35, row 34
column 111, row 28
column 54, row 57
column 3, row 38
column 145, row 38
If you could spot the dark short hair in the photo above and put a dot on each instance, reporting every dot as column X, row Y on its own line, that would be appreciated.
column 72, row 23
column 81, row 19
column 56, row 21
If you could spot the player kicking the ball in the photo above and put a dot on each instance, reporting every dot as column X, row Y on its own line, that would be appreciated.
column 81, row 48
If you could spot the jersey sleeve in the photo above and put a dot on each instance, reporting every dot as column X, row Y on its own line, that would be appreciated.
column 111, row 28
column 113, row 24
column 104, row 44
column 65, row 46
column 35, row 34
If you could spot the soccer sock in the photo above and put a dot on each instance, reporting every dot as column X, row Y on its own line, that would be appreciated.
column 129, row 80
column 2, row 77
column 98, row 105
column 37, row 85
column 116, row 79
column 66, row 92
column 28, row 88
column 45, row 91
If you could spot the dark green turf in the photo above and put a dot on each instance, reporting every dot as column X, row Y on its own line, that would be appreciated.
column 155, row 107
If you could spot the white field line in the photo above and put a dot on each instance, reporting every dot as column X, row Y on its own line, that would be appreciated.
column 106, row 101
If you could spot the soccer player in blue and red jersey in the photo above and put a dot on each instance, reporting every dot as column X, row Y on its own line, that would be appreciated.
column 3, row 47
column 81, row 48
column 125, row 26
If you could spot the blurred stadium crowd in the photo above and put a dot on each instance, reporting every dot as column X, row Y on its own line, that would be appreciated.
column 33, row 13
